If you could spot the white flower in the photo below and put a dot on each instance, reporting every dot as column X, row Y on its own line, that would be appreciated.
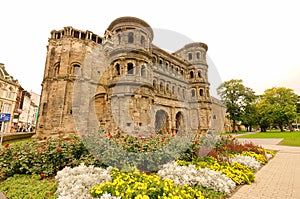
column 76, row 182
column 248, row 161
column 191, row 176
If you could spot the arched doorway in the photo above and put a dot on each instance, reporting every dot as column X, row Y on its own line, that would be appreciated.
column 161, row 122
column 179, row 122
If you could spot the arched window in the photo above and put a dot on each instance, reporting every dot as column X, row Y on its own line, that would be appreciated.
column 154, row 83
column 167, row 66
column 161, row 87
column 57, row 68
column 143, row 71
column 143, row 41
column 154, row 60
column 199, row 73
column 191, row 74
column 201, row 92
column 190, row 56
column 130, row 37
column 167, row 88
column 76, row 69
column 198, row 55
column 119, row 38
column 173, row 89
column 183, row 93
column 118, row 69
column 130, row 68
column 193, row 93
column 160, row 63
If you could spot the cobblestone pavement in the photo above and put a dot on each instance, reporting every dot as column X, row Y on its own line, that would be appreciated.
column 279, row 178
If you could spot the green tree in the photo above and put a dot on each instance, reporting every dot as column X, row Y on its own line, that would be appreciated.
column 278, row 106
column 237, row 99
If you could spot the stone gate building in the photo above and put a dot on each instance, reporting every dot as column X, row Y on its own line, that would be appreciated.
column 122, row 80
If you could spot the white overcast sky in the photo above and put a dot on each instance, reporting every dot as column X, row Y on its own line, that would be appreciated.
column 257, row 41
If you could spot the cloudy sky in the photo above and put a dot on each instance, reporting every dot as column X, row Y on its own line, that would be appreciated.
column 257, row 41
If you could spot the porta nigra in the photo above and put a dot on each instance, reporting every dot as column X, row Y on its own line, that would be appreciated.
column 123, row 81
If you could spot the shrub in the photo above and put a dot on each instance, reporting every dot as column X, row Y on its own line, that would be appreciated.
column 47, row 157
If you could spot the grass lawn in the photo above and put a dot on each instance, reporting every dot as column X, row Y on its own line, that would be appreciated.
column 289, row 138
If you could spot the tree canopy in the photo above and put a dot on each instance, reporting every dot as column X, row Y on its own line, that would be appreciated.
column 237, row 98
column 278, row 106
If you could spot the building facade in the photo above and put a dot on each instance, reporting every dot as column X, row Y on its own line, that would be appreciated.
column 9, row 88
column 122, row 81
column 29, row 111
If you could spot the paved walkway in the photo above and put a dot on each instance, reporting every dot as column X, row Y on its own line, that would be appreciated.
column 279, row 178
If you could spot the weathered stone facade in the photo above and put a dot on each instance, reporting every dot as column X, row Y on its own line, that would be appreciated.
column 122, row 80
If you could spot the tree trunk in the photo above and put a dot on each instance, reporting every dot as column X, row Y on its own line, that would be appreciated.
column 233, row 126
column 281, row 128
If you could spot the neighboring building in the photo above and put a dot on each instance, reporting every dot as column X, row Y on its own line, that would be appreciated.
column 29, row 111
column 93, row 80
column 219, row 124
column 9, row 88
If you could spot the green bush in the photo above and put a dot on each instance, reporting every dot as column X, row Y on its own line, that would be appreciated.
column 47, row 157
column 28, row 187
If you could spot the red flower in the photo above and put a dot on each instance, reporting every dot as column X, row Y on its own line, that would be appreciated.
column 67, row 139
column 6, row 146
column 196, row 142
column 42, row 175
column 163, row 139
column 59, row 150
column 45, row 137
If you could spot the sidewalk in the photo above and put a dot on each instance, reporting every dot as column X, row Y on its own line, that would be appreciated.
column 279, row 178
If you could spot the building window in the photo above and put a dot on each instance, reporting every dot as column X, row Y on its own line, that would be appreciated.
column 201, row 92
column 160, row 63
column 199, row 73
column 143, row 41
column 191, row 74
column 198, row 55
column 190, row 56
column 161, row 87
column 6, row 108
column 130, row 37
column 154, row 83
column 117, row 69
column 9, row 93
column 119, row 39
column 143, row 71
column 130, row 68
column 193, row 93
column 76, row 69
column 167, row 66
column 57, row 68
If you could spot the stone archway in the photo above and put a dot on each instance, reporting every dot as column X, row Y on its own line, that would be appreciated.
column 161, row 121
column 179, row 122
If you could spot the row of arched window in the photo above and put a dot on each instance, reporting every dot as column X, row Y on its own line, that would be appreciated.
column 131, row 39
column 168, row 88
column 200, row 91
column 196, row 54
column 166, row 65
column 74, row 69
column 130, row 70
column 192, row 74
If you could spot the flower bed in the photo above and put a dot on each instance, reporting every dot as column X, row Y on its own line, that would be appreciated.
column 78, row 174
